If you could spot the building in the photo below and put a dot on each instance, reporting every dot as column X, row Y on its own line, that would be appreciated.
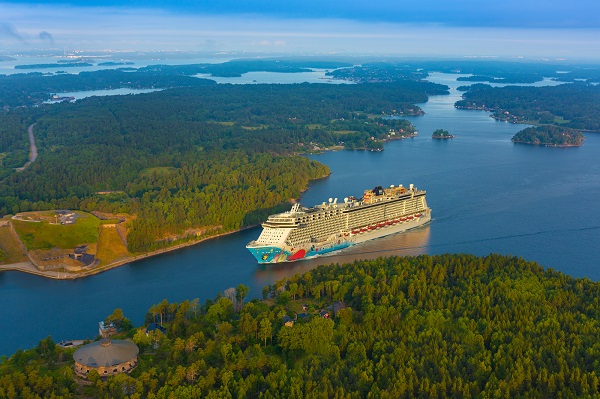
column 155, row 327
column 106, row 357
column 106, row 330
column 288, row 321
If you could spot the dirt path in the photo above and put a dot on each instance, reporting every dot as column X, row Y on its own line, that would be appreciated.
column 33, row 153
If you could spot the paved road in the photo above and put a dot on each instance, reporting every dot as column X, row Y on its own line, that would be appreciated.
column 33, row 153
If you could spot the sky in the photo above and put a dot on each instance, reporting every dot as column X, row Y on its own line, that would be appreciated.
column 464, row 28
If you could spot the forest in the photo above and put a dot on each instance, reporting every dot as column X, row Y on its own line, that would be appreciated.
column 574, row 105
column 196, row 161
column 440, row 326
column 555, row 136
column 29, row 89
column 483, row 71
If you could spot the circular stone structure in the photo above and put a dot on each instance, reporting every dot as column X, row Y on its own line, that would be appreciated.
column 106, row 357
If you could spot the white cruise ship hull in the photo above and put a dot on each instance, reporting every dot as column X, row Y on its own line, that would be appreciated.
column 284, row 253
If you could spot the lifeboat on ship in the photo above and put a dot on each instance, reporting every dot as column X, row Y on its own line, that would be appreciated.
column 418, row 215
column 372, row 227
column 363, row 229
column 388, row 223
column 382, row 224
column 403, row 219
column 355, row 231
column 409, row 217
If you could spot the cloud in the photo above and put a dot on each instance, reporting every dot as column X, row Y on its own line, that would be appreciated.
column 121, row 28
column 46, row 37
column 9, row 31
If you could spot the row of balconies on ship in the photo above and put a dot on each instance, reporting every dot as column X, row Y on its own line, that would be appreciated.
column 309, row 233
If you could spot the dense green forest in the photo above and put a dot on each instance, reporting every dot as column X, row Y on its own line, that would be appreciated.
column 483, row 71
column 34, row 88
column 455, row 326
column 192, row 161
column 574, row 105
column 556, row 136
column 239, row 67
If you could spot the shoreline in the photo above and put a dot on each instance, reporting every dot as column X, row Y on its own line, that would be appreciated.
column 547, row 144
column 30, row 268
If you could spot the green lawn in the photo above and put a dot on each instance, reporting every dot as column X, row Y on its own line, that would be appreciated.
column 110, row 246
column 10, row 248
column 43, row 235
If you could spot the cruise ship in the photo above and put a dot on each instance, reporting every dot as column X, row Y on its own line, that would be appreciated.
column 304, row 233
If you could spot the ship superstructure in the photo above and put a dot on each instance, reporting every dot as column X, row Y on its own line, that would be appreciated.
column 303, row 233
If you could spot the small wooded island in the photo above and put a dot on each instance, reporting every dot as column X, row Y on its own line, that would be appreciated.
column 442, row 134
column 551, row 136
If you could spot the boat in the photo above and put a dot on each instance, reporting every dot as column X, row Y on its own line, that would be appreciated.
column 304, row 233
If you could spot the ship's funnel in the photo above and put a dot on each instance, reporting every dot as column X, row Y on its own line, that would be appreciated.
column 411, row 186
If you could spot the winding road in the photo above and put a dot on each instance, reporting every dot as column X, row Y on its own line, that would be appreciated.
column 33, row 153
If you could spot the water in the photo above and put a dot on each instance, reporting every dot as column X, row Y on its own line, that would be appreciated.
column 8, row 67
column 487, row 195
column 78, row 95
column 315, row 76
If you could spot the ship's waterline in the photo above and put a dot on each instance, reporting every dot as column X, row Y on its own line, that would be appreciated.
column 304, row 233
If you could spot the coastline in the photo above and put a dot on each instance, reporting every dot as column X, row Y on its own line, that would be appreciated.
column 29, row 267
column 547, row 144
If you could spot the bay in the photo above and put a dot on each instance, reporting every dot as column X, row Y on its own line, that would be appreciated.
column 487, row 195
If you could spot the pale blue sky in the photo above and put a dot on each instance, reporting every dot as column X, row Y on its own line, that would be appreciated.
column 510, row 28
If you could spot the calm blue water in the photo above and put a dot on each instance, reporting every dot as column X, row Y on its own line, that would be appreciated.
column 487, row 195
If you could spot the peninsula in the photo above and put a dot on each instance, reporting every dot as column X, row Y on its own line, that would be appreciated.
column 454, row 325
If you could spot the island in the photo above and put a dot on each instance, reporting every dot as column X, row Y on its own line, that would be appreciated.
column 447, row 325
column 62, row 65
column 232, row 157
column 441, row 134
column 550, row 136
column 574, row 105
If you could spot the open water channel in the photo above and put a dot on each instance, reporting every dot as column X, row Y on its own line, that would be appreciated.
column 487, row 195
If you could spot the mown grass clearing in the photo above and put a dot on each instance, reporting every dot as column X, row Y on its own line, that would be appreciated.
column 43, row 235
column 252, row 127
column 11, row 251
column 110, row 246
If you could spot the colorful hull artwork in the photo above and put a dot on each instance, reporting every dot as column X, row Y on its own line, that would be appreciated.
column 304, row 233
column 276, row 255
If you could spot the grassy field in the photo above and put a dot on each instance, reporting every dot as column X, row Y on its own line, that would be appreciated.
column 42, row 235
column 159, row 170
column 110, row 246
column 10, row 247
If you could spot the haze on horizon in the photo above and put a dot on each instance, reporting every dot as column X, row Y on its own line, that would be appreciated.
column 530, row 29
